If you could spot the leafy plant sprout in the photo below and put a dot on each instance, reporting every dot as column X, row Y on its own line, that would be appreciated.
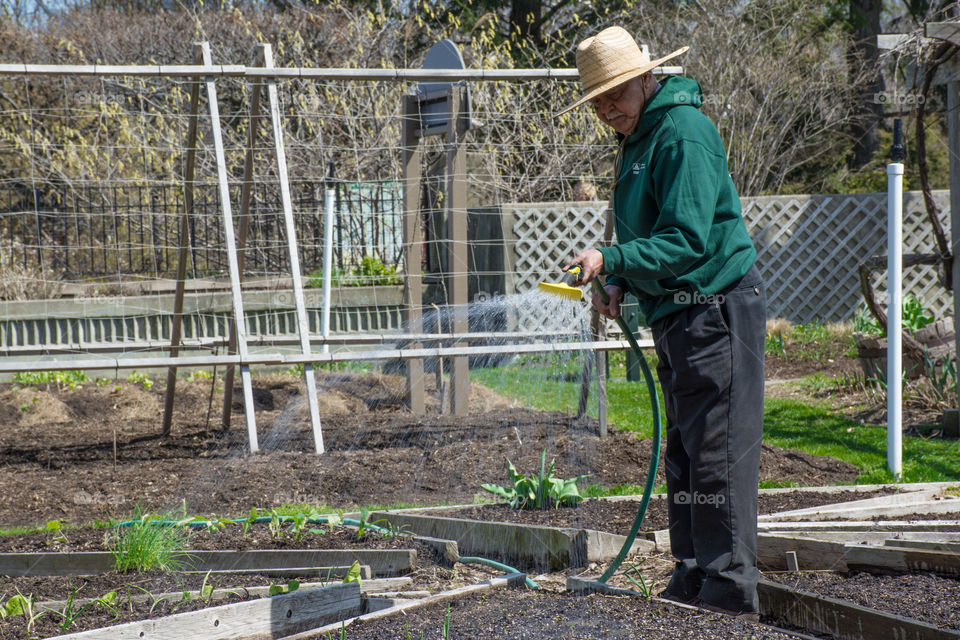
column 540, row 491
column 21, row 605
column 363, row 525
column 141, row 379
column 70, row 379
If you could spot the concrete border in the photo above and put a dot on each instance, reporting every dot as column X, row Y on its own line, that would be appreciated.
column 841, row 619
column 511, row 580
column 262, row 618
column 531, row 547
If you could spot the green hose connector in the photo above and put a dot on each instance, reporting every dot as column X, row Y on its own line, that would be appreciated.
column 497, row 565
column 655, row 449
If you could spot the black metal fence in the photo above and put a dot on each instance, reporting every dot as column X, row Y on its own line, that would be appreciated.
column 95, row 232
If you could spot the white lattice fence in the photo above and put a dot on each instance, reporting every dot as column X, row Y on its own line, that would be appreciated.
column 546, row 235
column 808, row 247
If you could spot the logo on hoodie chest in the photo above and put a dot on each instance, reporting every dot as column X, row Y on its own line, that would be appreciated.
column 637, row 167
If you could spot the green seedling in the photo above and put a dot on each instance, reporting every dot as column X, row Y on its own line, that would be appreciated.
column 279, row 589
column 275, row 526
column 298, row 523
column 140, row 378
column 364, row 524
column 538, row 492
column 54, row 527
column 406, row 630
column 353, row 573
column 446, row 624
column 69, row 613
column 642, row 584
column 199, row 374
column 110, row 602
column 774, row 345
column 248, row 522
column 206, row 590
column 212, row 525
column 21, row 605
column 69, row 379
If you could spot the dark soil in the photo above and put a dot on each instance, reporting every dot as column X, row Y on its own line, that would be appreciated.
column 58, row 459
column 951, row 515
column 925, row 597
column 520, row 614
column 829, row 356
column 617, row 516
column 231, row 537
column 130, row 609
column 131, row 589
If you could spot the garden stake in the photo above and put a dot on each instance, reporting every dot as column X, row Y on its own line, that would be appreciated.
column 573, row 293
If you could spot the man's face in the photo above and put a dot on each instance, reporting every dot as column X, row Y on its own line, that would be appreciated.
column 622, row 106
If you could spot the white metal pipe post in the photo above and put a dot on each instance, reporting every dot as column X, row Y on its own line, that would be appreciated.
column 328, row 204
column 295, row 276
column 231, row 247
column 894, row 287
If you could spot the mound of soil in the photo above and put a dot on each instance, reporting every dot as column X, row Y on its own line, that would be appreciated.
column 98, row 451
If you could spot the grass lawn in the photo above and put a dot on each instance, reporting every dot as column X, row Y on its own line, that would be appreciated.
column 811, row 425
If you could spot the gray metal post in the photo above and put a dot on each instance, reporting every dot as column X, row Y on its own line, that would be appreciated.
column 953, row 136
column 183, row 254
column 458, row 300
column 303, row 325
column 412, row 245
column 231, row 246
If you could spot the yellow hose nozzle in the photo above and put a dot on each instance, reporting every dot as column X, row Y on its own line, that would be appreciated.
column 561, row 289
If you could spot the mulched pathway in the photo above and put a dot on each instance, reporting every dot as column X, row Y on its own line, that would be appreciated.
column 618, row 516
column 920, row 596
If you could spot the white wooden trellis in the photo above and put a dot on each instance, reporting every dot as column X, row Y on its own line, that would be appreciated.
column 808, row 248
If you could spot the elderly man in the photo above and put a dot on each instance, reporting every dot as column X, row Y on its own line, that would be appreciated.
column 683, row 250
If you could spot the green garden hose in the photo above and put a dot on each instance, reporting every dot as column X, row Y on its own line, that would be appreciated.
column 496, row 565
column 654, row 450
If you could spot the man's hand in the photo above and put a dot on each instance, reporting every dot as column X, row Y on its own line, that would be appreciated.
column 611, row 310
column 591, row 265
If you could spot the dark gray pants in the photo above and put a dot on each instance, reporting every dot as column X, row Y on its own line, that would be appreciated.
column 711, row 371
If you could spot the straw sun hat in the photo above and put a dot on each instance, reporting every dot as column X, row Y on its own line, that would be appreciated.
column 610, row 58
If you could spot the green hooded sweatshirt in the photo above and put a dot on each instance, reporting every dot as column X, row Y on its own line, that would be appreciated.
column 680, row 232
